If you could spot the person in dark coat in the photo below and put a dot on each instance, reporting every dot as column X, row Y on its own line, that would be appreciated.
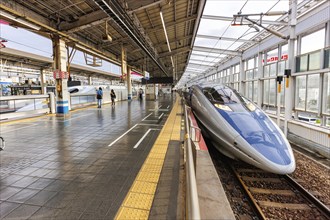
column 113, row 97
column 99, row 96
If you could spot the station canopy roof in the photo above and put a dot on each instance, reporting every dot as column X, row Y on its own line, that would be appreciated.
column 175, row 38
column 226, row 31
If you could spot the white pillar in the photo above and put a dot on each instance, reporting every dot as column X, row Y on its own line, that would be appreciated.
column 241, row 77
column 260, row 82
column 43, row 82
column 60, row 65
column 89, row 80
column 288, row 83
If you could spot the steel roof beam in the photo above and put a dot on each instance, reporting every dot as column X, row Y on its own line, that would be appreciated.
column 223, row 18
column 173, row 41
column 129, row 29
column 225, row 38
column 170, row 24
column 147, row 6
column 215, row 50
column 91, row 19
column 175, row 52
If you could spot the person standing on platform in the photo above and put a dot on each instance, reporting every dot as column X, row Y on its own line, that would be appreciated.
column 113, row 97
column 140, row 93
column 99, row 96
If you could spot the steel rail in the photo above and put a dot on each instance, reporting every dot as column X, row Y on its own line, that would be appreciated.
column 307, row 195
column 255, row 206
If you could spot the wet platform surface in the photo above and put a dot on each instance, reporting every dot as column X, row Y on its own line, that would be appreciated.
column 81, row 166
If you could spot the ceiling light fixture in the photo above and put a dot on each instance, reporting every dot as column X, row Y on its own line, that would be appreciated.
column 168, row 43
column 19, row 20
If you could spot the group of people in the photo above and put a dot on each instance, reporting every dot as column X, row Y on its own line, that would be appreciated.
column 99, row 97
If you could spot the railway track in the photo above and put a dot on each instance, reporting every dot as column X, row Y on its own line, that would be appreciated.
column 278, row 196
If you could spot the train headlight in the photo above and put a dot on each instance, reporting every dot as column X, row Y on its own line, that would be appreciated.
column 223, row 107
column 251, row 106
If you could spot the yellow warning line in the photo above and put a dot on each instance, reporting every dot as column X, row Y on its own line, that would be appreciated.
column 138, row 201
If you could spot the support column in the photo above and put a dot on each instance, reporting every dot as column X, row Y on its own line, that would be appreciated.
column 241, row 77
column 289, row 85
column 43, row 82
column 60, row 66
column 129, row 83
column 89, row 80
column 260, row 82
column 126, row 72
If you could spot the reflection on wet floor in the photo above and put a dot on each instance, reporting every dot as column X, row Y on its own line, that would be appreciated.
column 64, row 167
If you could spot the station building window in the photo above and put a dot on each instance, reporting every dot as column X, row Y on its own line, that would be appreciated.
column 307, row 92
column 313, row 41
column 326, row 94
column 300, row 92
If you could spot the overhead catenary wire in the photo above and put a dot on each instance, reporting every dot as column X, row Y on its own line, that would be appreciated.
column 244, row 34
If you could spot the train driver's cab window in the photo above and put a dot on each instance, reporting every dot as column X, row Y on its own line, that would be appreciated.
column 208, row 95
column 216, row 96
column 226, row 95
column 206, row 92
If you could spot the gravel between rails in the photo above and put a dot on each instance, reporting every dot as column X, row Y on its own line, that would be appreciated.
column 313, row 176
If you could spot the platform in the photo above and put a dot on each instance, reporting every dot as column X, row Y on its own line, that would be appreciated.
column 114, row 162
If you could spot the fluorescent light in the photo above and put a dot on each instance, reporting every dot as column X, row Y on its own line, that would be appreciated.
column 168, row 43
column 19, row 20
column 163, row 23
column 172, row 61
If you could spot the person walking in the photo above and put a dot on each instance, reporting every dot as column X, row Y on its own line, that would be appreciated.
column 99, row 96
column 113, row 97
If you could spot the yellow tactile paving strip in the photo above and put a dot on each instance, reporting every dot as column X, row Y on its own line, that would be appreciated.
column 138, row 201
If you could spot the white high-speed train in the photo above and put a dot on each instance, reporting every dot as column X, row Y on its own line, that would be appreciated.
column 240, row 129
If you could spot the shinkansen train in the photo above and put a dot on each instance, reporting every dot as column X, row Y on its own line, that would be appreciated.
column 240, row 129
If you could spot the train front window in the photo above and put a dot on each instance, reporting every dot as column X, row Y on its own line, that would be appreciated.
column 225, row 95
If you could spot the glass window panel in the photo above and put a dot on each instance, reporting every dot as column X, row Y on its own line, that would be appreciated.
column 255, row 73
column 281, row 68
column 284, row 53
column 313, row 92
column 272, row 56
column 250, row 64
column 314, row 41
column 266, row 71
column 326, row 105
column 249, row 74
column 236, row 77
column 272, row 92
column 314, row 61
column 272, row 71
column 237, row 69
column 266, row 92
column 255, row 91
column 303, row 63
column 236, row 86
column 300, row 92
column 249, row 90
column 282, row 93
column 327, row 58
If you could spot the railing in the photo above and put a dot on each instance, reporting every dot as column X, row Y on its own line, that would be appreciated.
column 308, row 135
column 78, row 100
column 192, row 204
column 20, row 106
